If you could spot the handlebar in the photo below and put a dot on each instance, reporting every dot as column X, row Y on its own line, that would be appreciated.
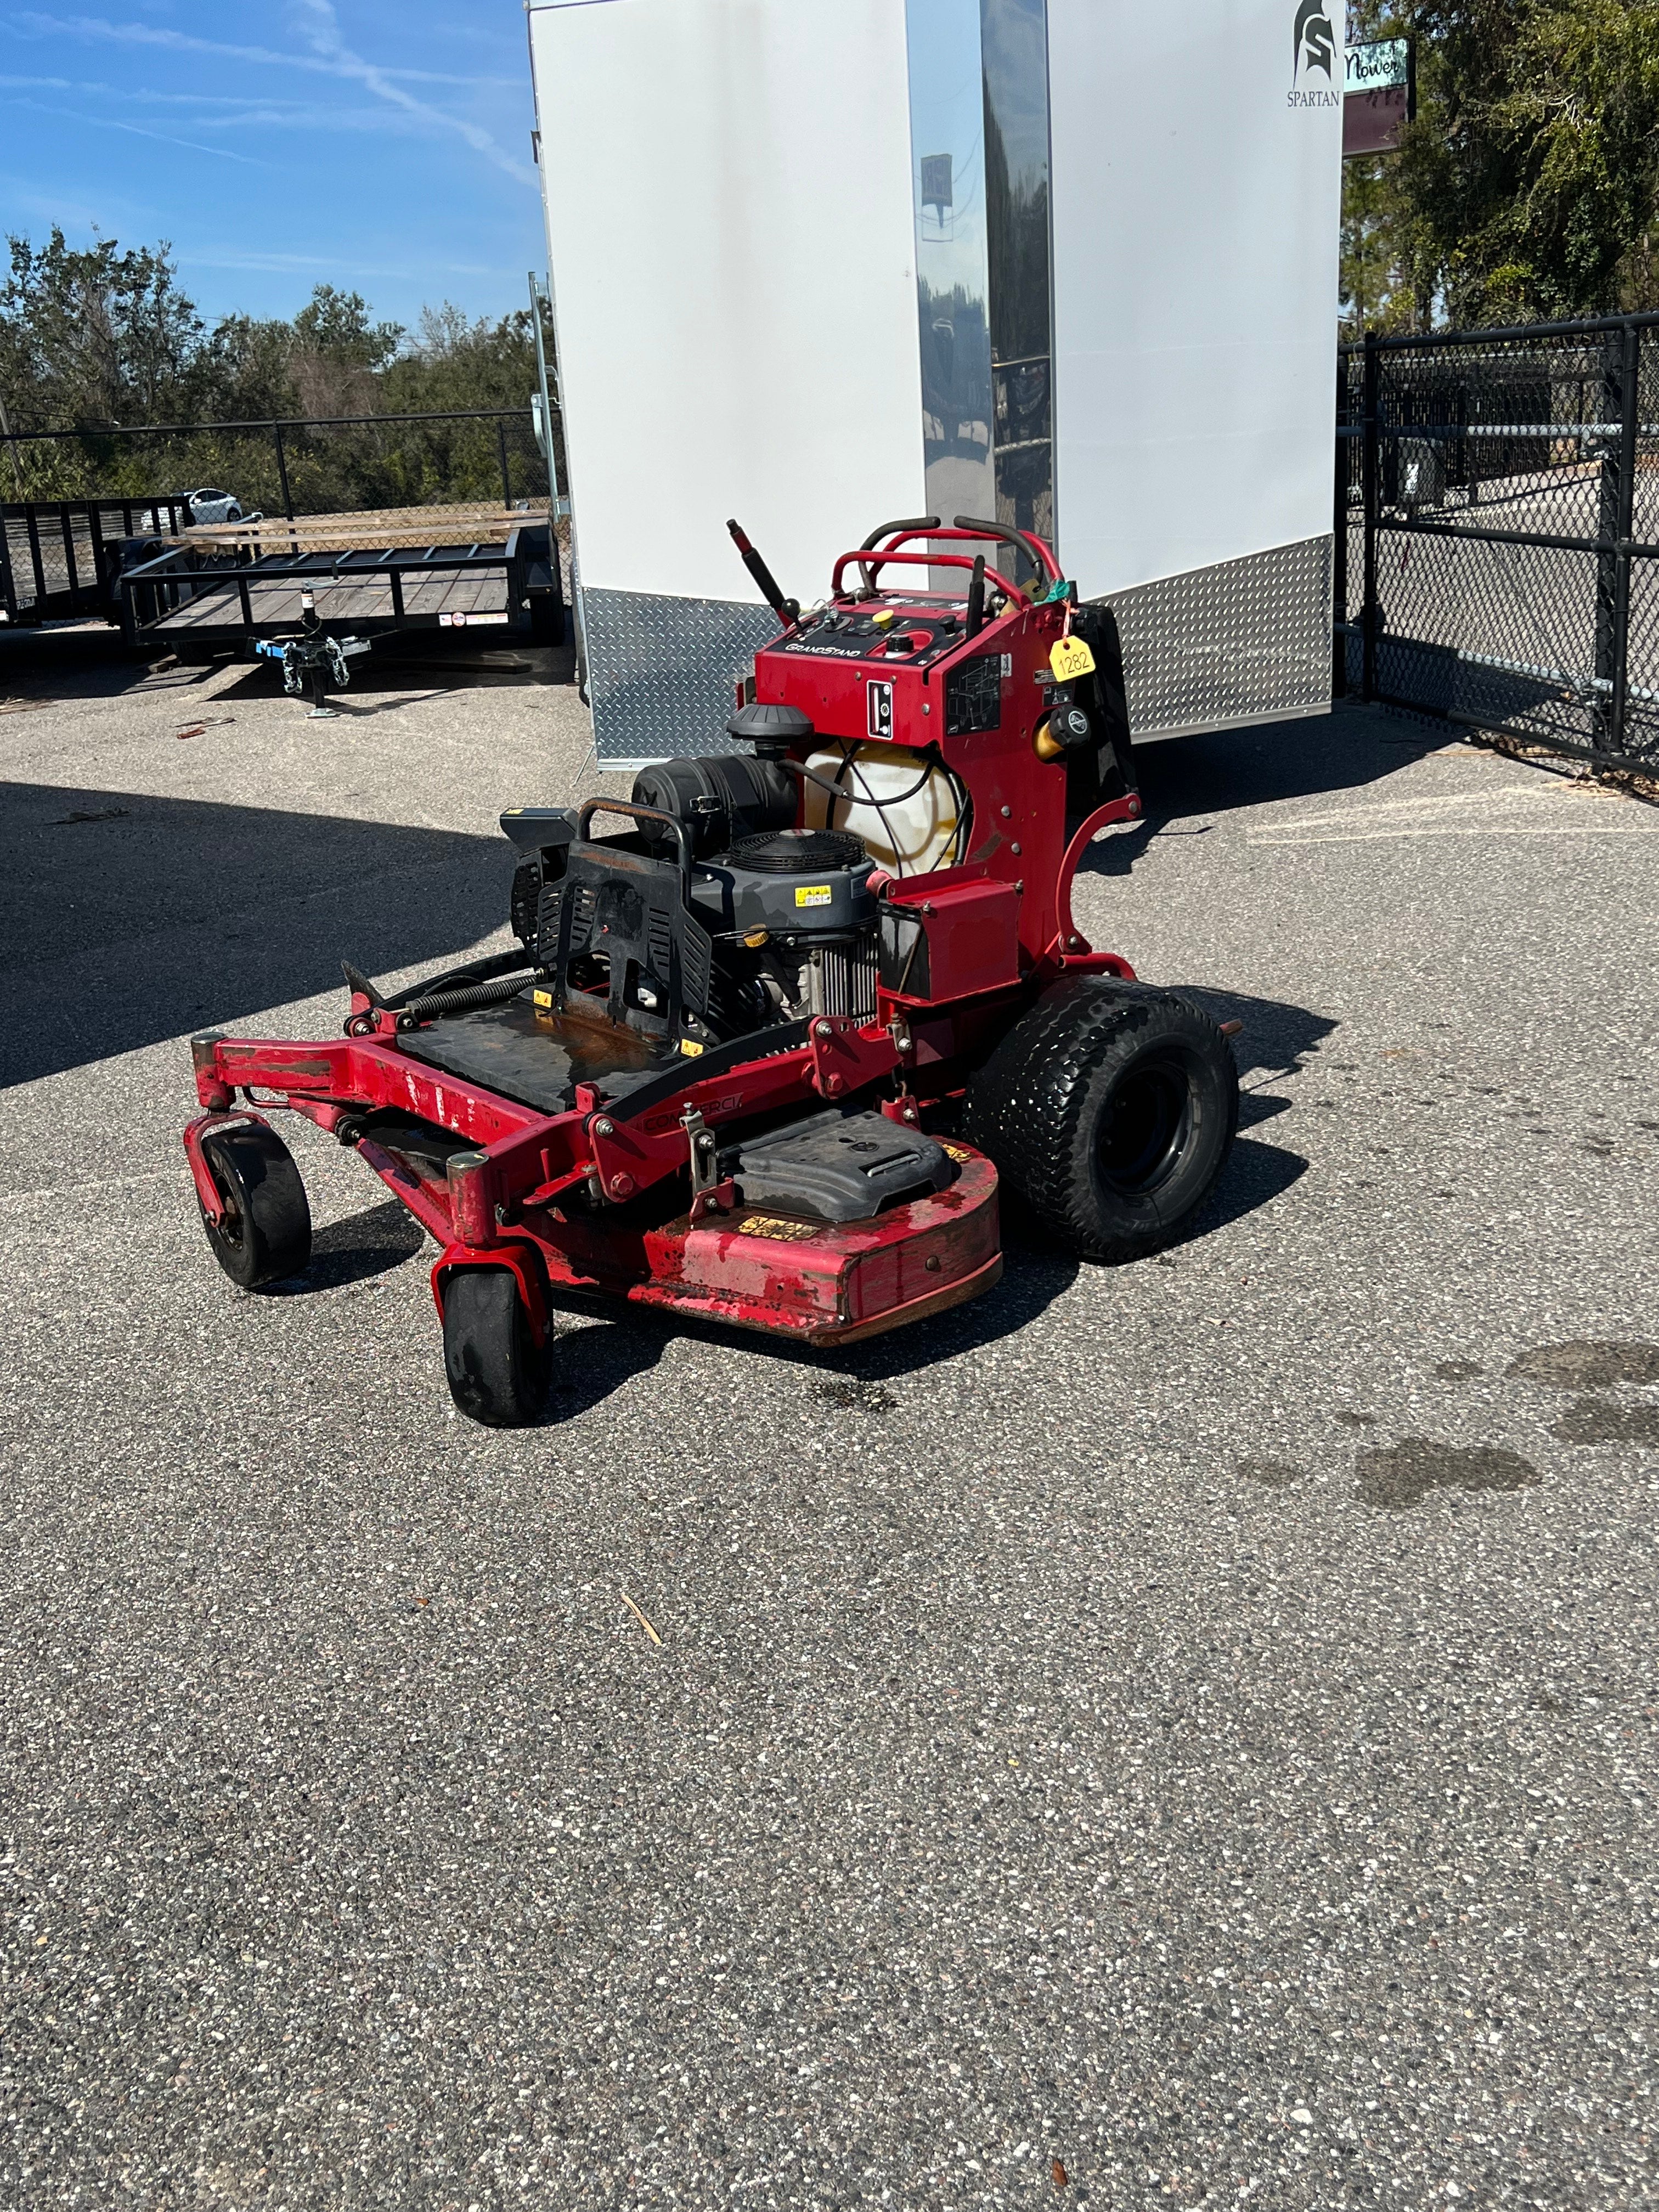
column 868, row 560
column 1023, row 541
column 911, row 527
column 966, row 527
column 590, row 807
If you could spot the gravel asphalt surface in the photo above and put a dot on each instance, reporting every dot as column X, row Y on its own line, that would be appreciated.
column 1171, row 1734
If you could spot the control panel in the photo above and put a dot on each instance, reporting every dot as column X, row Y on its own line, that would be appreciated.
column 916, row 635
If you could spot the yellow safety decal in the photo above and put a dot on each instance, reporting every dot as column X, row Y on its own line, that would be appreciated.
column 542, row 998
column 765, row 1224
column 814, row 895
column 1071, row 659
column 691, row 1048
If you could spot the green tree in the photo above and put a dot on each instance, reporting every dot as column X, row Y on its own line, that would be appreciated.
column 452, row 363
column 96, row 336
column 1529, row 185
column 249, row 370
column 335, row 327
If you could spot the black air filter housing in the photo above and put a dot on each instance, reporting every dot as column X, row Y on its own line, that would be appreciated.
column 799, row 885
column 718, row 796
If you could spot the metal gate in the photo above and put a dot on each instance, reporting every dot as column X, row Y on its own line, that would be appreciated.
column 1497, row 531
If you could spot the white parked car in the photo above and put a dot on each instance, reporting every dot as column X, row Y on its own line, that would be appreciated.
column 206, row 506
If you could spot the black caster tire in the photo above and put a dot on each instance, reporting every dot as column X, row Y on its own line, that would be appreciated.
column 498, row 1374
column 264, row 1234
column 1109, row 1109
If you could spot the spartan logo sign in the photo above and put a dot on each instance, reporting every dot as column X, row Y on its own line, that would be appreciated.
column 1315, row 41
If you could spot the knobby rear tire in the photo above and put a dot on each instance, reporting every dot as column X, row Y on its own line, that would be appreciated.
column 1109, row 1109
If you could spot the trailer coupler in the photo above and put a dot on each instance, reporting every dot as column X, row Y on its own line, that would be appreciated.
column 312, row 661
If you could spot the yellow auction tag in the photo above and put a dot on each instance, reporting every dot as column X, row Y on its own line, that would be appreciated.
column 691, row 1048
column 1071, row 659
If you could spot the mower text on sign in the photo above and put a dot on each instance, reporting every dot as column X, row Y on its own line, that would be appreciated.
column 1379, row 97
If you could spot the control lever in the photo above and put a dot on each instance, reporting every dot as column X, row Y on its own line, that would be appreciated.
column 787, row 610
column 976, row 620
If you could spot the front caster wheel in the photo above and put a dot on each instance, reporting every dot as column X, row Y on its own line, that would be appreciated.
column 498, row 1373
column 263, row 1234
column 1111, row 1109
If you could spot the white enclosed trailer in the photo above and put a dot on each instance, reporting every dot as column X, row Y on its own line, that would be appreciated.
column 1071, row 264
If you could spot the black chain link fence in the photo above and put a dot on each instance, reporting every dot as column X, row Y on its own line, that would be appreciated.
column 1497, row 531
column 288, row 467
column 69, row 497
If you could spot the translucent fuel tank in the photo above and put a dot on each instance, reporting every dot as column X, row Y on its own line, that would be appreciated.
column 904, row 809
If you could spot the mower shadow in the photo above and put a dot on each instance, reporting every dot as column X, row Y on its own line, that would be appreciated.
column 598, row 1353
column 364, row 1245
column 1276, row 1040
column 130, row 919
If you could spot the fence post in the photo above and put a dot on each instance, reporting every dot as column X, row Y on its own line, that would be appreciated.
column 281, row 471
column 1615, row 407
column 1339, row 538
column 1368, row 614
column 282, row 478
column 500, row 440
column 1623, row 520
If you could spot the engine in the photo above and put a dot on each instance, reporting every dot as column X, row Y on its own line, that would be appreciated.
column 720, row 921
column 795, row 927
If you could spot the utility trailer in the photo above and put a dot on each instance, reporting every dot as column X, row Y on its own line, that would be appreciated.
column 1071, row 267
column 219, row 592
column 61, row 558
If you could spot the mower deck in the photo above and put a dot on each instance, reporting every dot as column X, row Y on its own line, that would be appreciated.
column 820, row 1282
column 513, row 1073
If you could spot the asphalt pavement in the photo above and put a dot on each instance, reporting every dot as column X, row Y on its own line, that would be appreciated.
column 1173, row 1734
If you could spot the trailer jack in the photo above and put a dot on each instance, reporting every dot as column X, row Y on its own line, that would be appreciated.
column 313, row 660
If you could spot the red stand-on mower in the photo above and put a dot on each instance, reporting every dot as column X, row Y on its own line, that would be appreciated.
column 764, row 1058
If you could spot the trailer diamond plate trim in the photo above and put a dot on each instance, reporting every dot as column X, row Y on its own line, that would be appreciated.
column 1241, row 641
column 662, row 671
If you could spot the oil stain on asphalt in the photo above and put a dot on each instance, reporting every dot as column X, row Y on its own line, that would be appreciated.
column 1605, row 1421
column 1581, row 1366
column 1400, row 1474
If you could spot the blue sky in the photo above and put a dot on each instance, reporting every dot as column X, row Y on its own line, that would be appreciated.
column 382, row 146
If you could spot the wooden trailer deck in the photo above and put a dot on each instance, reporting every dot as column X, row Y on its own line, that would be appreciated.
column 275, row 602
